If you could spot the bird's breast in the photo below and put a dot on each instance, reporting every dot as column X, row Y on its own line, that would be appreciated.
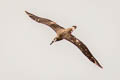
column 60, row 32
column 63, row 33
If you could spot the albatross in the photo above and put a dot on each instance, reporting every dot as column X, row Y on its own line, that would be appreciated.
column 66, row 34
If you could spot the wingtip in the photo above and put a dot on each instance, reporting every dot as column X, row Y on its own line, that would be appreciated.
column 27, row 12
column 98, row 65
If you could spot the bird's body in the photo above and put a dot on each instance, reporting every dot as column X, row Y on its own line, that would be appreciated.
column 63, row 33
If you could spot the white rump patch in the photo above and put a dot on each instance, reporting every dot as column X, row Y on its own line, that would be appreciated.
column 73, row 28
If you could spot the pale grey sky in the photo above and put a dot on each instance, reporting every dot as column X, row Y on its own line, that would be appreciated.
column 25, row 51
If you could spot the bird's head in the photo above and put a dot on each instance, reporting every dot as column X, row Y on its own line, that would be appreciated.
column 58, row 38
column 54, row 40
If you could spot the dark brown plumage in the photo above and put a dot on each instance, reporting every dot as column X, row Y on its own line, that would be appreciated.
column 65, row 34
column 48, row 22
column 83, row 48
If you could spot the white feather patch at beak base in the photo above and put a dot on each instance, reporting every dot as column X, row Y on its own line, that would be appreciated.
column 53, row 41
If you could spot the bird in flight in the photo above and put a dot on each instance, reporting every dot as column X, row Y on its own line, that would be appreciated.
column 66, row 34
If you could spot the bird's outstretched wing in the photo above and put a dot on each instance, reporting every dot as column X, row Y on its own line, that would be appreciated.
column 45, row 21
column 83, row 48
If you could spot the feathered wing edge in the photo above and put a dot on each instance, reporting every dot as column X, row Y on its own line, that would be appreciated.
column 83, row 48
column 45, row 21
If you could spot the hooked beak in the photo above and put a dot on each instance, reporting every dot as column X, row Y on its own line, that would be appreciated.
column 53, row 41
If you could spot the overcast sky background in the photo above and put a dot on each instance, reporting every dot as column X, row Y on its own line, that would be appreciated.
column 25, row 53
